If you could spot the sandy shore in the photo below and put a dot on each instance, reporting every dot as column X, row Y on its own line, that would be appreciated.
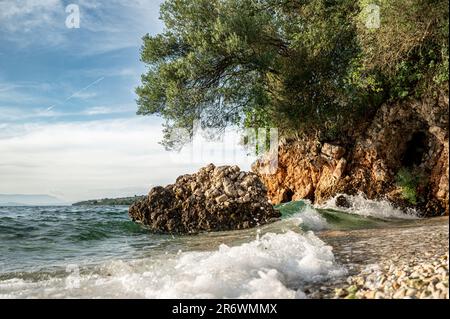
column 409, row 261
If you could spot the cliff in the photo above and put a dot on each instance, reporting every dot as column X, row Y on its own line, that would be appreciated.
column 401, row 153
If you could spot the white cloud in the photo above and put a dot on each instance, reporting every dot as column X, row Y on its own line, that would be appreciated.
column 32, row 21
column 26, row 15
column 121, row 23
column 88, row 160
column 105, row 25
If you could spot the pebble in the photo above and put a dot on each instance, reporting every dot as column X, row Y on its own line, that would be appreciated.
column 401, row 293
column 411, row 292
column 379, row 295
column 441, row 286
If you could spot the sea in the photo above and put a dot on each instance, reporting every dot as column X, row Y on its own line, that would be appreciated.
column 98, row 252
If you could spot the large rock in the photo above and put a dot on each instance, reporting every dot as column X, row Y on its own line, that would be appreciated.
column 214, row 199
column 412, row 134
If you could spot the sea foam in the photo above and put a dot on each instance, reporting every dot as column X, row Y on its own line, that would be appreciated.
column 274, row 266
column 361, row 205
column 309, row 218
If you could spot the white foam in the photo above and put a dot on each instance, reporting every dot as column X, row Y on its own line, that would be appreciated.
column 361, row 205
column 275, row 266
column 311, row 218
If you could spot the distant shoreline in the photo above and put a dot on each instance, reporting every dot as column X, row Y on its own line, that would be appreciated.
column 110, row 201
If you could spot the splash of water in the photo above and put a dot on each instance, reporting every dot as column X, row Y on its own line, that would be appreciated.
column 276, row 266
column 361, row 205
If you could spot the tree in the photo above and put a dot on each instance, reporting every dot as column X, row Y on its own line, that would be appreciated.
column 409, row 51
column 247, row 63
column 299, row 65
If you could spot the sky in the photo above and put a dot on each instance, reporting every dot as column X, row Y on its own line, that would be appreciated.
column 68, row 123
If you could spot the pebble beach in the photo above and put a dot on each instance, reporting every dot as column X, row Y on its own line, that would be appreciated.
column 408, row 262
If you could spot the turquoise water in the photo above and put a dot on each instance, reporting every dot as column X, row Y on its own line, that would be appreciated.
column 39, row 246
column 337, row 220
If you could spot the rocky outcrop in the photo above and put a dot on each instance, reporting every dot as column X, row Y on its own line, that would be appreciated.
column 412, row 135
column 214, row 199
column 306, row 170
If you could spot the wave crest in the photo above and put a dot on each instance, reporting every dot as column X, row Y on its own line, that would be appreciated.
column 361, row 205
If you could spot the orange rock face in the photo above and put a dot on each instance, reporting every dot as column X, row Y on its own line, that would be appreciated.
column 411, row 135
column 305, row 171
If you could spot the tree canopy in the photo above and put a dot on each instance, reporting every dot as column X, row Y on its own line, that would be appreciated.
column 299, row 65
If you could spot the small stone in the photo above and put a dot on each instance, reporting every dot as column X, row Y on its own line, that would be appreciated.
column 400, row 294
column 340, row 292
column 414, row 275
column 436, row 294
column 379, row 295
column 441, row 286
column 222, row 198
column 441, row 269
column 370, row 294
column 424, row 294
column 411, row 292
column 341, row 201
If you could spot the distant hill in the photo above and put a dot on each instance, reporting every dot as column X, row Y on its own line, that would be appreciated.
column 30, row 200
column 110, row 201
column 12, row 204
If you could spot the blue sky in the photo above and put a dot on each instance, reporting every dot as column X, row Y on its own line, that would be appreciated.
column 67, row 104
column 44, row 66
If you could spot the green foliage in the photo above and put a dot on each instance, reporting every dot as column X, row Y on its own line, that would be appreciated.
column 299, row 65
column 408, row 182
column 409, row 52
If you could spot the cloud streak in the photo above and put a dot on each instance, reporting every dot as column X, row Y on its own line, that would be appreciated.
column 14, row 114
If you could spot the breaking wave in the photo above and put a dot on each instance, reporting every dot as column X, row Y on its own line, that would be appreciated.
column 119, row 259
column 274, row 266
column 360, row 205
